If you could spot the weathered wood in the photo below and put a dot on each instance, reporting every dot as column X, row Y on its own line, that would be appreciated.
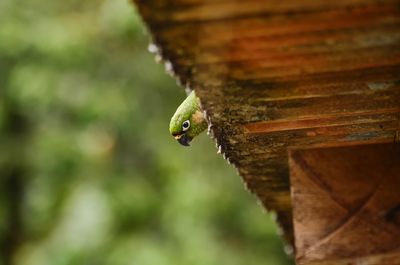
column 383, row 259
column 346, row 204
column 277, row 74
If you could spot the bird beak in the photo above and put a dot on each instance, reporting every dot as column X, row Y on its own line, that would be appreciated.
column 183, row 139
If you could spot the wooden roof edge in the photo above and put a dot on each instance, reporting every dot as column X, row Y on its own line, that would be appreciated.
column 266, row 87
column 161, row 56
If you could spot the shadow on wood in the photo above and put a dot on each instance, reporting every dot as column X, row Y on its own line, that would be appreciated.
column 346, row 204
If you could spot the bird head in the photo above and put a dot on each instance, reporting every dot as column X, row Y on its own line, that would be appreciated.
column 188, row 120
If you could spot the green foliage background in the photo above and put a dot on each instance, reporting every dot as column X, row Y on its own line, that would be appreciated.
column 89, row 173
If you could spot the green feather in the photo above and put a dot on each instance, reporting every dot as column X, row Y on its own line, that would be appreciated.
column 190, row 110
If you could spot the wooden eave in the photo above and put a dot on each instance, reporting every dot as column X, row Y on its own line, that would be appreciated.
column 274, row 75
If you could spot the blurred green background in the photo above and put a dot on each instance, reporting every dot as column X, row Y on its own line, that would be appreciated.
column 89, row 173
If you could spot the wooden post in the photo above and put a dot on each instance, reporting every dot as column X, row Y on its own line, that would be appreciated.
column 346, row 204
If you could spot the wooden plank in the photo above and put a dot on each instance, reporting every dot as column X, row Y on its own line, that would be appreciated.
column 343, row 196
column 384, row 259
column 328, row 120
column 175, row 12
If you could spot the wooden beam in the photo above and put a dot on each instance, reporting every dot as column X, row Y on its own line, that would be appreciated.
column 325, row 120
column 346, row 204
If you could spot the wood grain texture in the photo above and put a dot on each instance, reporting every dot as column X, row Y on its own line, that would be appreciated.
column 384, row 259
column 346, row 203
column 278, row 74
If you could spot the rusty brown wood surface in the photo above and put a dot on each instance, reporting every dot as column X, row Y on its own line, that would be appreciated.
column 346, row 204
column 383, row 259
column 277, row 74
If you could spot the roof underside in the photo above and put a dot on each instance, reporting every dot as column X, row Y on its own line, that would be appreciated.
column 273, row 75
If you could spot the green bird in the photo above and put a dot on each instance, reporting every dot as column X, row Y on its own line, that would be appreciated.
column 188, row 120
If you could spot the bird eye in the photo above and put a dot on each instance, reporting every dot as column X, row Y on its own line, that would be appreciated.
column 185, row 125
